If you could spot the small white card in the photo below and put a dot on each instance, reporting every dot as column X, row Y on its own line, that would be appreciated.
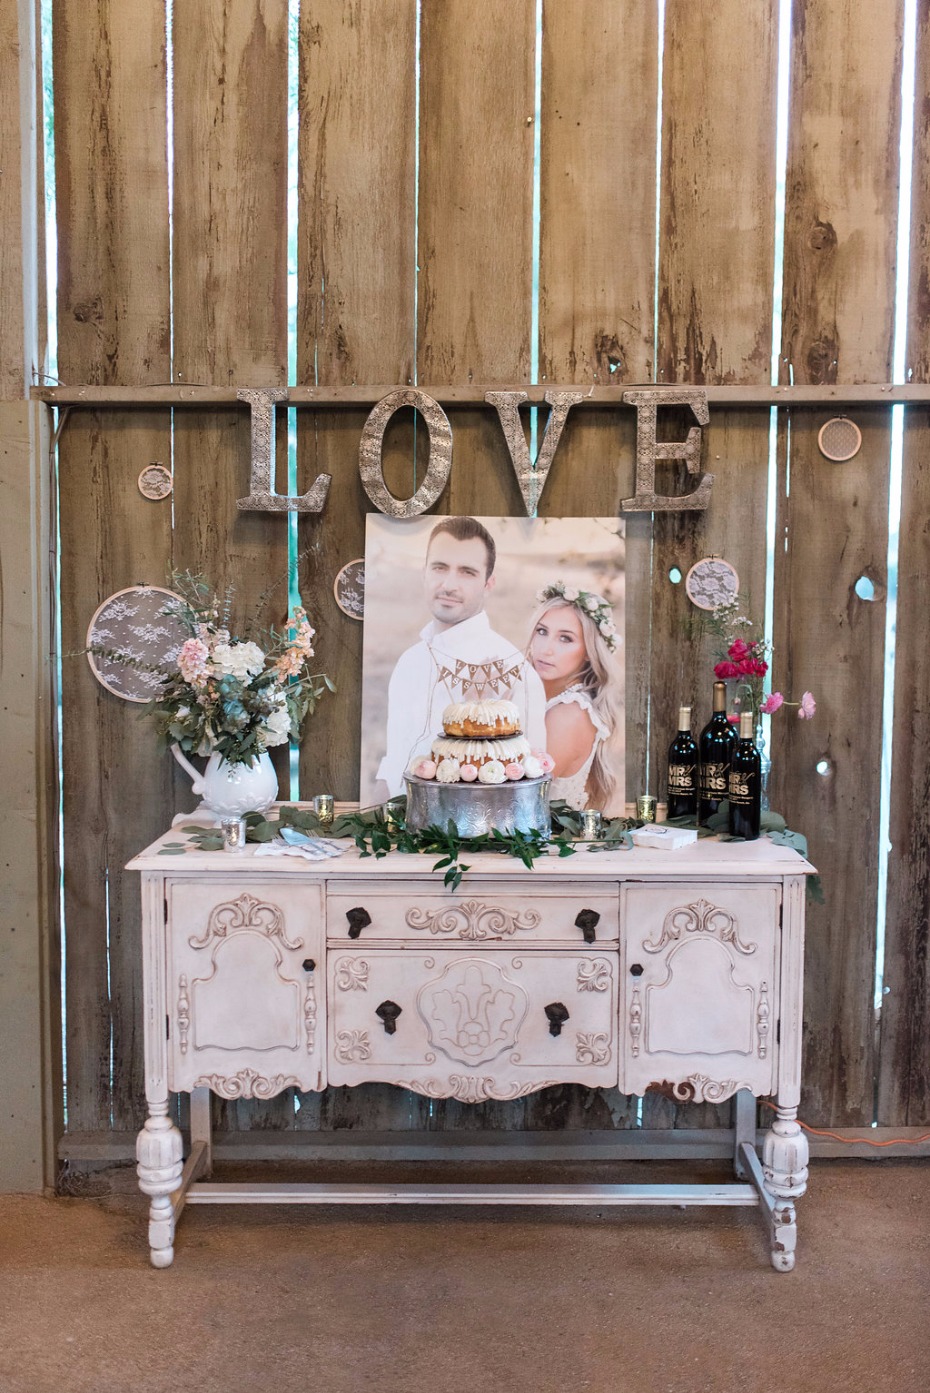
column 664, row 838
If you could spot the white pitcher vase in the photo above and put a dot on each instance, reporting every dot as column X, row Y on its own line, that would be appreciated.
column 229, row 790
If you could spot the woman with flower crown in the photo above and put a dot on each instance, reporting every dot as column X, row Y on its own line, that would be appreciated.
column 572, row 645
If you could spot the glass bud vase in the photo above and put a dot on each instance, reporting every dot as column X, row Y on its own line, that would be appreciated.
column 766, row 767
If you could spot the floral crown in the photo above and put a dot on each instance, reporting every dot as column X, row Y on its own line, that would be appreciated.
column 589, row 603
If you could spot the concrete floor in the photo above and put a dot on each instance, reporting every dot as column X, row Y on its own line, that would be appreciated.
column 452, row 1301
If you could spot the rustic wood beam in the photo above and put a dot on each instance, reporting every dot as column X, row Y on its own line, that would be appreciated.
column 833, row 395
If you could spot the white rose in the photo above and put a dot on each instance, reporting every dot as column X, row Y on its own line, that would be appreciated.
column 532, row 767
column 492, row 772
column 240, row 660
column 276, row 728
column 591, row 603
column 448, row 771
column 570, row 593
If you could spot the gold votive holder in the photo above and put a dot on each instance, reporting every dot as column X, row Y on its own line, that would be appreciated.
column 646, row 808
column 324, row 805
column 590, row 825
column 393, row 814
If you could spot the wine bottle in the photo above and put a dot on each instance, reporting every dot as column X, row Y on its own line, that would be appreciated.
column 715, row 748
column 745, row 783
column 683, row 769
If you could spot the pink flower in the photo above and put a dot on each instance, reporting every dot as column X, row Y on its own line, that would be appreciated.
column 724, row 670
column 192, row 661
column 738, row 649
column 425, row 769
column 807, row 708
column 513, row 770
column 546, row 762
column 753, row 667
column 468, row 773
column 772, row 703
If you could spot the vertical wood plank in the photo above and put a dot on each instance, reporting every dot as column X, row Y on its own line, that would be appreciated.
column 842, row 182
column 475, row 225
column 18, row 196
column 112, row 187
column 838, row 310
column 230, row 314
column 356, row 323
column 830, row 641
column 904, row 1066
column 357, row 278
column 716, row 251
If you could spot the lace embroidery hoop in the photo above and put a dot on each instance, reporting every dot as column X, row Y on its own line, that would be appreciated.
column 130, row 621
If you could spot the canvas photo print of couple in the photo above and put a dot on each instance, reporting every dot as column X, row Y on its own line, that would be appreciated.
column 528, row 610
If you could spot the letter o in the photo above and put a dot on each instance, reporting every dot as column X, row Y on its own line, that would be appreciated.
column 440, row 453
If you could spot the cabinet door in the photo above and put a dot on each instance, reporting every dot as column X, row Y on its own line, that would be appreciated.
column 472, row 1025
column 700, row 973
column 245, row 977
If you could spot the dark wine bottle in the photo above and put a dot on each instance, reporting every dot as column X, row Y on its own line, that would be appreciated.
column 715, row 748
column 745, row 783
column 683, row 769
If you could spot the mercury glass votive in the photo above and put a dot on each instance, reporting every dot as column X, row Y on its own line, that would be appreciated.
column 324, row 805
column 590, row 825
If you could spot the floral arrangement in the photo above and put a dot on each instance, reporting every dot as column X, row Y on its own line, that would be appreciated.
column 590, row 603
column 745, row 661
column 492, row 771
column 228, row 695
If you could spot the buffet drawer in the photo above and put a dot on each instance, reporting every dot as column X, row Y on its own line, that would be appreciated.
column 483, row 912
column 476, row 1025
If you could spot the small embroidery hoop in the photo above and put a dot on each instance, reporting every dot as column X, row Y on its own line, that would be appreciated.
column 711, row 582
column 839, row 439
column 100, row 666
column 350, row 577
column 155, row 482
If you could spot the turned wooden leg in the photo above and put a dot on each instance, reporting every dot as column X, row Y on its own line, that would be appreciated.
column 159, row 1151
column 784, row 1167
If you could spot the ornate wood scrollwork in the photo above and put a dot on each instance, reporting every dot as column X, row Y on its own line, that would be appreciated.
column 248, row 1083
column 592, row 1047
column 472, row 1011
column 353, row 1046
column 310, row 1015
column 352, row 975
column 473, row 920
column 472, row 1088
column 697, row 1088
column 700, row 918
column 593, row 975
column 245, row 914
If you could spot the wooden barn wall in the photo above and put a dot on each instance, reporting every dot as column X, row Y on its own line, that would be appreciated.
column 415, row 255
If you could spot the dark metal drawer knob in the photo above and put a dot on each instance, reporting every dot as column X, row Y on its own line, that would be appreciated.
column 388, row 1012
column 359, row 919
column 308, row 964
column 636, row 970
column 586, row 920
column 557, row 1015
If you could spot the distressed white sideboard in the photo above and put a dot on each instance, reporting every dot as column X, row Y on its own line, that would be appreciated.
column 649, row 970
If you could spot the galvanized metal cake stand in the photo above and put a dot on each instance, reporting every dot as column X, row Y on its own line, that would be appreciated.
column 479, row 809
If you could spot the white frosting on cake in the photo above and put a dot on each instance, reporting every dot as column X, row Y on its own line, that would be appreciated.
column 466, row 750
column 485, row 713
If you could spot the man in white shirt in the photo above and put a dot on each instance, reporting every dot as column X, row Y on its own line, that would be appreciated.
column 458, row 577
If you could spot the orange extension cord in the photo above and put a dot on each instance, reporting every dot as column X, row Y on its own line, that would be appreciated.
column 853, row 1141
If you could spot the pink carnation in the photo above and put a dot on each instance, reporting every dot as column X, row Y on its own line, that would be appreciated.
column 724, row 670
column 753, row 667
column 738, row 649
column 468, row 773
column 807, row 708
column 513, row 770
column 772, row 703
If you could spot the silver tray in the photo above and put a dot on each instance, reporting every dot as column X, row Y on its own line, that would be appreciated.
column 479, row 809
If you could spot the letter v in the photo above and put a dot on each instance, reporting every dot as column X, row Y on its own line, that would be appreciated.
column 531, row 481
